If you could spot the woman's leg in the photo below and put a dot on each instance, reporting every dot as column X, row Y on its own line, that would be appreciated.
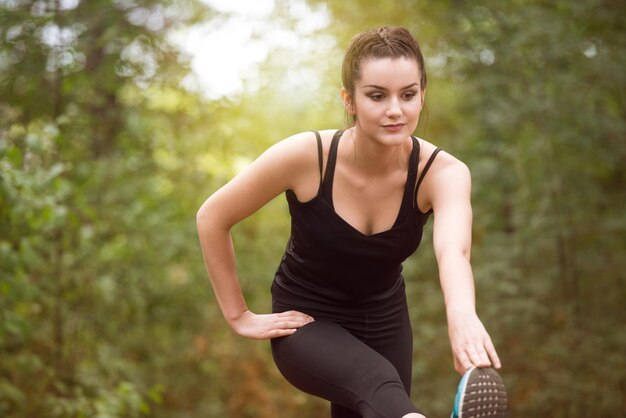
column 391, row 335
column 338, row 411
column 325, row 360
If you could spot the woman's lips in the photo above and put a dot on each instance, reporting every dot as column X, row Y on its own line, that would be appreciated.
column 393, row 127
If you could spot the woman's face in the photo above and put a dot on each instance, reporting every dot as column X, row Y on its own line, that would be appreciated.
column 387, row 99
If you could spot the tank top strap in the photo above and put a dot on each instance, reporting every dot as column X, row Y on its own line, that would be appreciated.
column 424, row 171
column 320, row 157
column 327, row 182
column 413, row 162
column 410, row 182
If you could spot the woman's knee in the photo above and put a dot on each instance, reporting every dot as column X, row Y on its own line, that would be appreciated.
column 383, row 393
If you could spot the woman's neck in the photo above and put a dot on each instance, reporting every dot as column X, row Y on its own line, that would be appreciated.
column 373, row 158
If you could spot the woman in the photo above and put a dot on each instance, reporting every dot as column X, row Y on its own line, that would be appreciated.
column 358, row 198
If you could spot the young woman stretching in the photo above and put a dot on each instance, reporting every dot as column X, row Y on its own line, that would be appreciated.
column 359, row 199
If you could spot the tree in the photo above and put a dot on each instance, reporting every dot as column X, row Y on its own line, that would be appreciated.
column 530, row 95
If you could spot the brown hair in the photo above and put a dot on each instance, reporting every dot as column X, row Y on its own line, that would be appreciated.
column 382, row 42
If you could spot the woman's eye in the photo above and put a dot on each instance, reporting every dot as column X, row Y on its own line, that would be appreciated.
column 409, row 95
column 376, row 97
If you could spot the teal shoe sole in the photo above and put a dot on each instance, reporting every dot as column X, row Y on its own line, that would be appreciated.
column 481, row 394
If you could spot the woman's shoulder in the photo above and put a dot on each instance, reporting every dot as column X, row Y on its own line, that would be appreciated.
column 296, row 160
column 303, row 145
column 297, row 155
column 444, row 163
column 293, row 147
column 305, row 138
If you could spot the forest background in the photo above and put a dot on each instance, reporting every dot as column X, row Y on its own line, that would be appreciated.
column 107, row 150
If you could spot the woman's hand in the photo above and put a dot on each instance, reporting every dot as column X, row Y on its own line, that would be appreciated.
column 263, row 327
column 471, row 344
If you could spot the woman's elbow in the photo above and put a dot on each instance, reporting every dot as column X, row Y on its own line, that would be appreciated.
column 208, row 218
column 205, row 217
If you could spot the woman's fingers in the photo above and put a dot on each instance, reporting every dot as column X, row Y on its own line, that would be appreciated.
column 470, row 357
column 290, row 324
column 471, row 344
column 462, row 362
column 292, row 319
column 281, row 325
column 270, row 325
column 491, row 351
column 478, row 356
column 295, row 315
column 280, row 332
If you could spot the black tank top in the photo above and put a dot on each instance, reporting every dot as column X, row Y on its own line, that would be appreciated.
column 328, row 262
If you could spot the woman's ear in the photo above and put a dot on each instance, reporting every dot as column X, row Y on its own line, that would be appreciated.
column 346, row 98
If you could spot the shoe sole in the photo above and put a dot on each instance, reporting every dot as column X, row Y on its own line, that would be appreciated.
column 482, row 394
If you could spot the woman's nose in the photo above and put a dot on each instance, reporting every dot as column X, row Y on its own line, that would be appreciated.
column 393, row 111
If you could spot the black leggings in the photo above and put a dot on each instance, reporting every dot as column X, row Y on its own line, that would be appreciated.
column 362, row 367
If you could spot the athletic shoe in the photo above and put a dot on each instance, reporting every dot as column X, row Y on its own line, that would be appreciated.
column 481, row 393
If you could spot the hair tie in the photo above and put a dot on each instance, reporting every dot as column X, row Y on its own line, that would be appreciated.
column 382, row 32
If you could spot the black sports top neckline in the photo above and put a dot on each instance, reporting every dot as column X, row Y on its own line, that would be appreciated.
column 326, row 188
column 327, row 261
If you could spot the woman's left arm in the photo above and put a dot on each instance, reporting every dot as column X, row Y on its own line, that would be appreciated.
column 450, row 193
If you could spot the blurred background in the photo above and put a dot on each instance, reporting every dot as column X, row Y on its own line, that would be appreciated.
column 118, row 118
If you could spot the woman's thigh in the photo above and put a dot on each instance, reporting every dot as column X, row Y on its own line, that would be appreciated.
column 325, row 360
column 392, row 337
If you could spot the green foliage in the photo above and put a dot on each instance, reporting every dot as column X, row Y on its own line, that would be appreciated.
column 530, row 95
column 105, row 310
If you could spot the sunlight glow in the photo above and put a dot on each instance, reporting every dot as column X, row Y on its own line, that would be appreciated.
column 226, row 52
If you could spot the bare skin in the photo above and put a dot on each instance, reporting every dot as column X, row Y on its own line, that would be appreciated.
column 368, row 186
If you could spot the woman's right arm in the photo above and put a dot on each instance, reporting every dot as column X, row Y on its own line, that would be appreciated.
column 286, row 165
